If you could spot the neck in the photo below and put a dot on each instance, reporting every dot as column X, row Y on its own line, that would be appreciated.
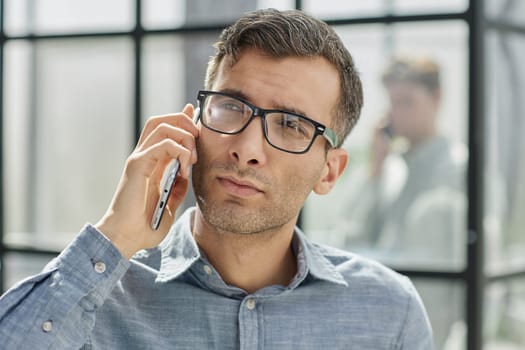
column 248, row 261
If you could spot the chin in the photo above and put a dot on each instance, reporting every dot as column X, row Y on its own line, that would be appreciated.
column 232, row 217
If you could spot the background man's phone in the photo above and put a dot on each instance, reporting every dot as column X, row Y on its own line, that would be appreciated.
column 387, row 130
column 166, row 185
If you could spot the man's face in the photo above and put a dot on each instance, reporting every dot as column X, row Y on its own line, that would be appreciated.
column 413, row 109
column 243, row 184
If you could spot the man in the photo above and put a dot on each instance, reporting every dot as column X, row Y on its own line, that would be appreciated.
column 234, row 272
column 411, row 209
column 412, row 205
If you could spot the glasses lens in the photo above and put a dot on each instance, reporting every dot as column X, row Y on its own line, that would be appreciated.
column 228, row 115
column 224, row 114
column 289, row 132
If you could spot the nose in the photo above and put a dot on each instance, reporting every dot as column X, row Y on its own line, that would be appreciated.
column 248, row 148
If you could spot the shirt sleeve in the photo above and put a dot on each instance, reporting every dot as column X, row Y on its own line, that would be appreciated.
column 416, row 332
column 56, row 308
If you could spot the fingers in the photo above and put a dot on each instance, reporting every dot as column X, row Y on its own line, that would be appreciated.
column 127, row 221
column 181, row 120
column 180, row 130
column 146, row 161
column 165, row 131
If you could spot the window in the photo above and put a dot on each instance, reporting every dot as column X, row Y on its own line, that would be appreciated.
column 80, row 77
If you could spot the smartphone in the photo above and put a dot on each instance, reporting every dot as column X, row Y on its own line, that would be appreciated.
column 166, row 185
column 387, row 130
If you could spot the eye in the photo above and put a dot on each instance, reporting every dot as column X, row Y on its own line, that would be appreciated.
column 231, row 105
column 294, row 125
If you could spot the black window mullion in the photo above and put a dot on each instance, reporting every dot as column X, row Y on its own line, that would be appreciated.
column 2, row 177
column 475, row 277
column 138, row 34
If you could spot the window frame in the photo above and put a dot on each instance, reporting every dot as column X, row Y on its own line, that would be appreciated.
column 474, row 275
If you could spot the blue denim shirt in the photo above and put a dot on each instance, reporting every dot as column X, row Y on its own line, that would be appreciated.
column 170, row 297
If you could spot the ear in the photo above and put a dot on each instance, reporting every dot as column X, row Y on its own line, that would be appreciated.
column 336, row 161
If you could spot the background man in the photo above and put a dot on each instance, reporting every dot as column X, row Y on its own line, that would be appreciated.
column 411, row 210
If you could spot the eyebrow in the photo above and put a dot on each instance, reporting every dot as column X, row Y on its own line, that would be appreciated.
column 278, row 106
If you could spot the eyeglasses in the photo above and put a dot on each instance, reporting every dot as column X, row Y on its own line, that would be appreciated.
column 286, row 131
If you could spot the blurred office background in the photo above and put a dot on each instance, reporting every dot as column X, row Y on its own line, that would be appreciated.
column 80, row 77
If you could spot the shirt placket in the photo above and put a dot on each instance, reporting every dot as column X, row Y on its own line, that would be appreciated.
column 248, row 323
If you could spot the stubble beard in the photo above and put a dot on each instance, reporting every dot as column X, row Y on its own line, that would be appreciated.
column 281, row 206
column 231, row 216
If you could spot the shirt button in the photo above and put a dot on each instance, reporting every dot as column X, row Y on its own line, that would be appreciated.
column 208, row 270
column 250, row 304
column 47, row 326
column 99, row 267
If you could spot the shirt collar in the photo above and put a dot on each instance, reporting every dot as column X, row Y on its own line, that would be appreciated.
column 316, row 260
column 179, row 251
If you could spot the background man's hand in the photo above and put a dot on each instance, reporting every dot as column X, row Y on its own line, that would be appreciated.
column 380, row 149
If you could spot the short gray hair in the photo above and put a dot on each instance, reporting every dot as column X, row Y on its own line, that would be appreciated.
column 294, row 33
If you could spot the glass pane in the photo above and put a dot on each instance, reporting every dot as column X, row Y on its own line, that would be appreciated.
column 174, row 70
column 68, row 129
column 410, row 212
column 59, row 16
column 177, row 13
column 506, row 11
column 163, row 75
column 19, row 266
column 505, row 315
column 505, row 148
column 356, row 8
column 445, row 303
column 163, row 13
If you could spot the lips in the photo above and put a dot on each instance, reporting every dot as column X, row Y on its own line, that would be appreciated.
column 239, row 187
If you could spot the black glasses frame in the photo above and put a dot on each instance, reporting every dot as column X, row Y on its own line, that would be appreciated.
column 319, row 129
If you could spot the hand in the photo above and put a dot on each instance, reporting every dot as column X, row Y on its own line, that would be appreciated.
column 128, row 218
column 380, row 150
